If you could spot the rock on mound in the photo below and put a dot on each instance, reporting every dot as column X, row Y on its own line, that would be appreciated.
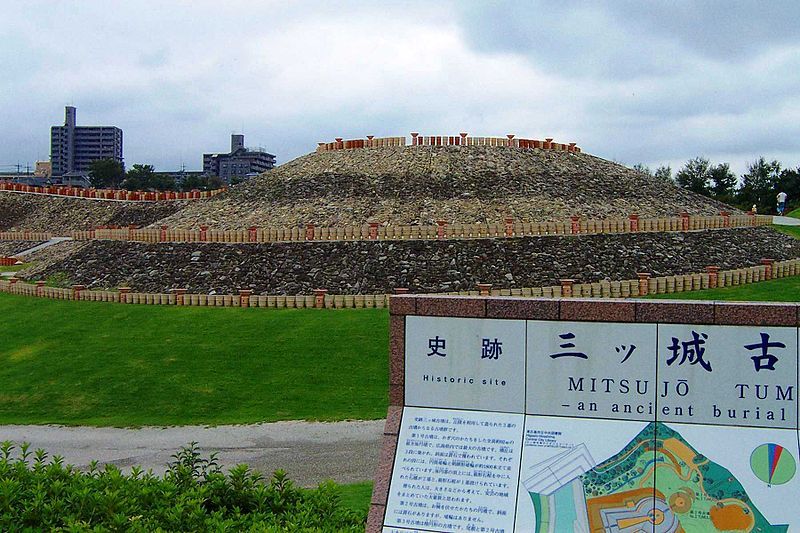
column 368, row 267
column 57, row 214
column 420, row 184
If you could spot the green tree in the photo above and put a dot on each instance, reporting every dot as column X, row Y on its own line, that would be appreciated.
column 139, row 178
column 641, row 167
column 758, row 185
column 106, row 173
column 695, row 175
column 789, row 182
column 663, row 172
column 723, row 182
column 162, row 181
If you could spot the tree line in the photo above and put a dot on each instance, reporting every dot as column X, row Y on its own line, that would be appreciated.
column 111, row 174
column 757, row 187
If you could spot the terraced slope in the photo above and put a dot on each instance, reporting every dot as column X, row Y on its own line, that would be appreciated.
column 368, row 267
column 50, row 213
column 406, row 185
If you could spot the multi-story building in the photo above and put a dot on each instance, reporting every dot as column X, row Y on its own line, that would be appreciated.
column 44, row 169
column 73, row 148
column 240, row 162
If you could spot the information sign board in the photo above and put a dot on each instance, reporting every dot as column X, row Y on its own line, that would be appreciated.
column 589, row 422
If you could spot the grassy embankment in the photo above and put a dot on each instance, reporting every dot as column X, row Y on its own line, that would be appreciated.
column 105, row 364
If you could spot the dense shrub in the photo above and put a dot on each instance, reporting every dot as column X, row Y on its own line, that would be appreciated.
column 41, row 493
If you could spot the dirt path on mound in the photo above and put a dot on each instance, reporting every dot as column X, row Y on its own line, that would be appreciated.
column 310, row 452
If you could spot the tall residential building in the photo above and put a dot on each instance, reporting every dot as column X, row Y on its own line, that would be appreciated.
column 239, row 162
column 73, row 148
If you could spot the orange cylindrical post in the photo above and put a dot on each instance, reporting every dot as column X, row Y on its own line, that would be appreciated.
column 713, row 276
column 441, row 229
column 768, row 270
column 123, row 294
column 244, row 297
column 566, row 287
column 319, row 298
column 509, row 221
column 644, row 278
column 76, row 291
column 574, row 224
column 180, row 296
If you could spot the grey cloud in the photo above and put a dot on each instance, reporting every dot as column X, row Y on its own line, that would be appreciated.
column 626, row 38
column 633, row 81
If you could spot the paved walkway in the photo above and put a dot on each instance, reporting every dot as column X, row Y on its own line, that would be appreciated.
column 786, row 221
column 51, row 242
column 310, row 452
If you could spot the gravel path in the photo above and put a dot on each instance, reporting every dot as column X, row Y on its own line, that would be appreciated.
column 310, row 452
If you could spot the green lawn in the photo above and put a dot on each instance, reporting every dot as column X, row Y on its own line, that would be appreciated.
column 104, row 364
column 356, row 496
column 776, row 290
column 793, row 231
column 13, row 268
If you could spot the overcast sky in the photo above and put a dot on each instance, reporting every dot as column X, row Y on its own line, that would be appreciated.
column 639, row 81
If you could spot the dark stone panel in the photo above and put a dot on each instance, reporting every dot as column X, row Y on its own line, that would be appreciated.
column 675, row 312
column 592, row 310
column 523, row 308
column 451, row 306
column 764, row 314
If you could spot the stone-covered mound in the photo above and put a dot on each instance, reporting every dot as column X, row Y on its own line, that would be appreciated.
column 353, row 267
column 420, row 184
column 9, row 248
column 59, row 215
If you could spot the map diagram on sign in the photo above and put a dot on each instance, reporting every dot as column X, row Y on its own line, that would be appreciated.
column 657, row 483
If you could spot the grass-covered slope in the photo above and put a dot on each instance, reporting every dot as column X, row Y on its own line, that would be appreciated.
column 114, row 365
column 777, row 290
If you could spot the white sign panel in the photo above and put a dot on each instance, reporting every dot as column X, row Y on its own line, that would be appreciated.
column 551, row 426
column 590, row 370
column 726, row 375
column 455, row 471
column 463, row 363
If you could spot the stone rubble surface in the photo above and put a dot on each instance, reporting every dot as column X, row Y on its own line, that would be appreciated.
column 366, row 267
column 60, row 215
column 9, row 248
column 419, row 185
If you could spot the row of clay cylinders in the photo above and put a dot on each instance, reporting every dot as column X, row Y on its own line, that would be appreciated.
column 418, row 140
